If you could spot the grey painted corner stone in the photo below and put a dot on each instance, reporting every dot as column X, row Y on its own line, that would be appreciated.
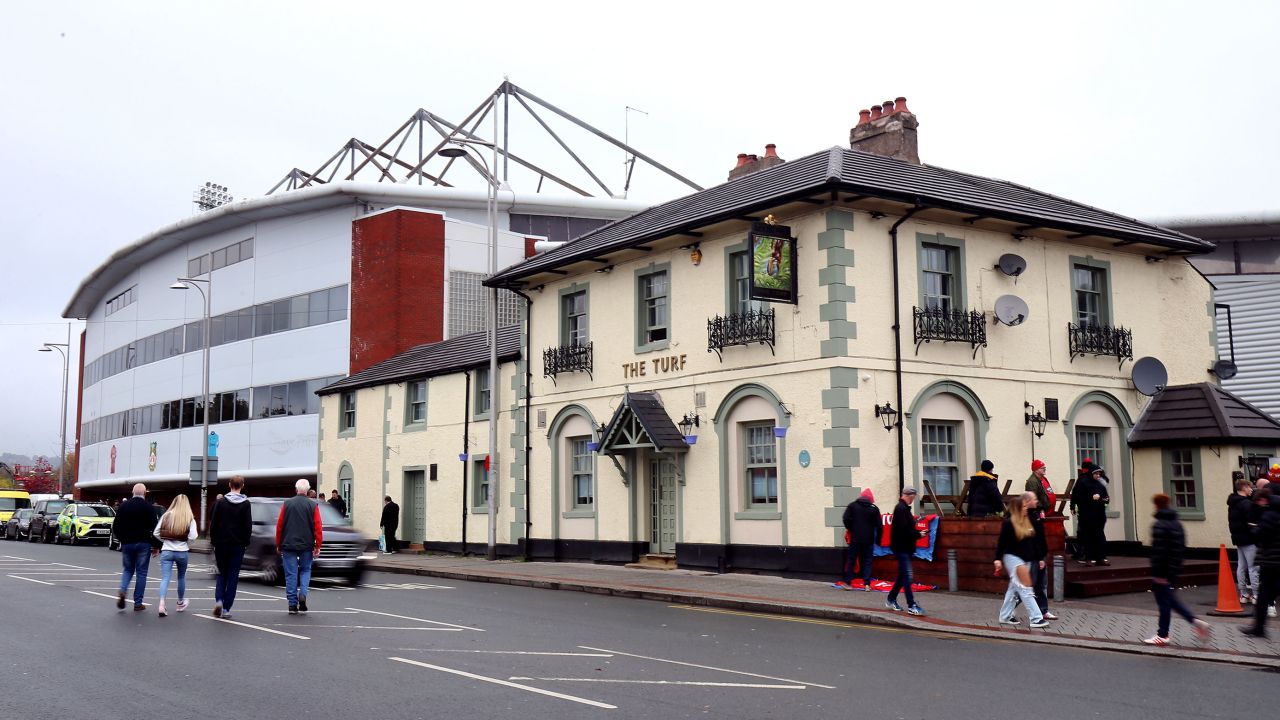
column 840, row 256
column 845, row 329
column 845, row 495
column 844, row 417
column 832, row 275
column 833, row 311
column 841, row 293
column 845, row 457
column 835, row 437
column 839, row 219
column 837, row 477
column 833, row 517
column 831, row 238
column 837, row 537
column 837, row 397
column 835, row 347
column 844, row 377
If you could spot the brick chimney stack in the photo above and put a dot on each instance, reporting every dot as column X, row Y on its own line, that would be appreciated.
column 748, row 164
column 888, row 129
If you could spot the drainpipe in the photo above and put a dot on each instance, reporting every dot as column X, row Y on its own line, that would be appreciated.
column 466, row 452
column 528, row 446
column 897, row 344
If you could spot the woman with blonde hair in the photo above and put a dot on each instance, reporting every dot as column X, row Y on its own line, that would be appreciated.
column 176, row 527
column 1014, row 553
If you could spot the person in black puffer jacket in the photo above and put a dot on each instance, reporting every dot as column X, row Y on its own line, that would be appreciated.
column 1240, row 513
column 1089, row 501
column 902, row 540
column 1168, row 547
column 1267, row 537
column 984, row 496
column 862, row 521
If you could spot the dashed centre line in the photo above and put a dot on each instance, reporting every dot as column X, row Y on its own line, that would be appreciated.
column 507, row 683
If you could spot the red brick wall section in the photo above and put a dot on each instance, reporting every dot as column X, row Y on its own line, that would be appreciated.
column 397, row 284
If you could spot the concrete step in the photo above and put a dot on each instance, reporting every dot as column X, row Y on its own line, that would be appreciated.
column 654, row 561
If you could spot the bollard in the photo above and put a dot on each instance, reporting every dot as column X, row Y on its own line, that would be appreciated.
column 1059, row 578
column 953, row 579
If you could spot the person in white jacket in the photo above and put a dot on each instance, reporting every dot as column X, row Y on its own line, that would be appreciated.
column 177, row 526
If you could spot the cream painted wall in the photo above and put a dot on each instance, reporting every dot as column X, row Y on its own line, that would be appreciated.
column 1216, row 465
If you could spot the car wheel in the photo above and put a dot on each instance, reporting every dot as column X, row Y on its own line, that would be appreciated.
column 31, row 536
column 71, row 539
column 271, row 573
column 355, row 576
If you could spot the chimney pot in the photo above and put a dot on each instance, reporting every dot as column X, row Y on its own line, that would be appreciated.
column 900, row 105
column 875, row 112
column 864, row 117
column 753, row 158
column 771, row 150
column 887, row 108
column 742, row 159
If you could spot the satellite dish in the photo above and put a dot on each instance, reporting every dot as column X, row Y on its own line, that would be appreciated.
column 1149, row 376
column 1011, row 310
column 1224, row 369
column 1011, row 265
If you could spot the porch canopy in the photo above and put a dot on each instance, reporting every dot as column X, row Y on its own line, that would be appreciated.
column 1202, row 414
column 641, row 422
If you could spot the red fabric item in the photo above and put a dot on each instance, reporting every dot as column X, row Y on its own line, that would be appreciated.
column 922, row 525
column 885, row 586
column 1053, row 497
column 318, row 525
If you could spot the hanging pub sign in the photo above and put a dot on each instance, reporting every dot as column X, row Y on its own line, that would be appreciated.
column 773, row 263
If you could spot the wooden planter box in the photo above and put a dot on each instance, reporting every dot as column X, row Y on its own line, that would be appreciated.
column 974, row 540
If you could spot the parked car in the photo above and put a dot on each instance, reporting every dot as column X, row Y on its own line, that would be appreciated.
column 344, row 552
column 19, row 525
column 85, row 522
column 44, row 519
column 11, row 501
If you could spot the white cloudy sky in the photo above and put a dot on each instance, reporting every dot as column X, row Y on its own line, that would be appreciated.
column 114, row 111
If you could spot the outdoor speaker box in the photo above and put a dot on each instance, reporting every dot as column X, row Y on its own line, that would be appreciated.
column 1051, row 409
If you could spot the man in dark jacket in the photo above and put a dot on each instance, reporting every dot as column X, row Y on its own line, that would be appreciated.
column 984, row 496
column 390, row 522
column 1267, row 537
column 299, row 534
column 1168, row 547
column 862, row 521
column 902, row 541
column 338, row 503
column 133, row 529
column 1089, row 501
column 1240, row 513
column 230, row 529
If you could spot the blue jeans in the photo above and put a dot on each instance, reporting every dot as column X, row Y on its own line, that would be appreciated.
column 1018, row 591
column 858, row 556
column 169, row 558
column 904, row 579
column 228, row 560
column 297, row 574
column 1167, row 600
column 137, row 559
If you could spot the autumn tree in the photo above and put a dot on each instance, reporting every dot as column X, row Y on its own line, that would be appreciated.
column 37, row 478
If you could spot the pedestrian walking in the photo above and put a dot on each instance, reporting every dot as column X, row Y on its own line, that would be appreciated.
column 230, row 530
column 1242, row 516
column 902, row 541
column 390, row 522
column 862, row 521
column 338, row 503
column 176, row 528
column 1089, row 501
column 1016, row 550
column 1168, row 547
column 299, row 534
column 984, row 496
column 132, row 528
column 1038, row 483
column 1040, row 563
column 1267, row 538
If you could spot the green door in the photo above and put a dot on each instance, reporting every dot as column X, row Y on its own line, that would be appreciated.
column 662, row 502
column 414, row 512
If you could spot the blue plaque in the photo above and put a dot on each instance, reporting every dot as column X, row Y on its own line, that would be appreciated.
column 804, row 458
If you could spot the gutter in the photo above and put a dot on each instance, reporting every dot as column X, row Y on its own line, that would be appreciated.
column 897, row 343
column 528, row 446
column 466, row 452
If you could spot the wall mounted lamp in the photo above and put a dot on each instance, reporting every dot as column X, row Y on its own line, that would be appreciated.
column 687, row 424
column 887, row 415
column 1033, row 417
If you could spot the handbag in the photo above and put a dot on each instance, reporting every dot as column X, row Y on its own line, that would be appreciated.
column 382, row 542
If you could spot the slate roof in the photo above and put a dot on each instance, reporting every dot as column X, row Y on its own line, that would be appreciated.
column 1201, row 414
column 648, row 410
column 440, row 358
column 861, row 173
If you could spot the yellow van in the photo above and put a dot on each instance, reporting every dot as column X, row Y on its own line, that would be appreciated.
column 13, row 500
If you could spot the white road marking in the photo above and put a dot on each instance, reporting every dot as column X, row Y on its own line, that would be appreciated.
column 253, row 627
column 112, row 597
column 309, row 612
column 381, row 627
column 709, row 667
column 19, row 577
column 25, row 565
column 75, row 574
column 67, row 580
column 406, row 586
column 405, row 617
column 668, row 682
column 507, row 683
column 502, row 652
column 242, row 591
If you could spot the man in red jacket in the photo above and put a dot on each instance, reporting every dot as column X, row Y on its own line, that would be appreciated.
column 299, row 534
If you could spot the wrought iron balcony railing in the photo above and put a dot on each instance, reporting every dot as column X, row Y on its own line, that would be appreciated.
column 1090, row 339
column 567, row 358
column 753, row 326
column 967, row 326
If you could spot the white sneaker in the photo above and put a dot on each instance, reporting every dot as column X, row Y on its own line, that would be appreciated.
column 1271, row 611
column 1041, row 623
column 1244, row 599
column 1050, row 616
column 1010, row 621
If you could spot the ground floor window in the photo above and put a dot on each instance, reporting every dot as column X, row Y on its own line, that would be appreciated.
column 1091, row 442
column 346, row 484
column 761, row 463
column 479, row 484
column 940, row 455
column 1182, row 478
column 581, row 481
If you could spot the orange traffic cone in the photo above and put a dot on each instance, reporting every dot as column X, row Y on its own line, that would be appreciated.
column 1228, row 602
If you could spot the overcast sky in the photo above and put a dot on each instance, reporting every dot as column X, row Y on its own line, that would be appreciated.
column 115, row 111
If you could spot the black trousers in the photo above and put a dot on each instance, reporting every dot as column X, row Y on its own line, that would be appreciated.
column 1093, row 539
column 858, row 562
column 390, row 533
column 1039, row 585
column 1268, row 591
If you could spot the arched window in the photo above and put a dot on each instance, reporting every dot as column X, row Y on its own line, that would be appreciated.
column 948, row 426
column 346, row 487
column 750, row 427
column 1096, row 426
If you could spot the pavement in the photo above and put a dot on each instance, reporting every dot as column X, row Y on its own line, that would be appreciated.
column 1116, row 623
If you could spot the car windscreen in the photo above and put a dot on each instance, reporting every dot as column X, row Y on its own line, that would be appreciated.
column 94, row 511
column 265, row 512
column 53, row 508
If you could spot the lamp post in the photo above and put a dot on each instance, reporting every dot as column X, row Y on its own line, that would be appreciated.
column 62, row 349
column 207, row 294
column 457, row 149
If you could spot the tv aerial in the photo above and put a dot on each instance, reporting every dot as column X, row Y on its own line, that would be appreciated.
column 1149, row 376
column 1011, row 310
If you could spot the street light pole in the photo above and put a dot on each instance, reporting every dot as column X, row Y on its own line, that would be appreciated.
column 207, row 294
column 63, row 349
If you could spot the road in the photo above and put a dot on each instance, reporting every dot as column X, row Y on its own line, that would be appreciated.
column 405, row 647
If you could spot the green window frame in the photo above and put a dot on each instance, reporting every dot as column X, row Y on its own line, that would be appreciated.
column 415, row 402
column 1092, row 442
column 1091, row 292
column 479, row 485
column 346, row 487
column 347, row 412
column 581, row 477
column 940, row 456
column 480, row 402
column 1183, row 481
column 760, row 466
column 653, row 307
column 941, row 272
column 575, row 325
column 738, row 282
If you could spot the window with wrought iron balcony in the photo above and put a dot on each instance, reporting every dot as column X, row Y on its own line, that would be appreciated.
column 1092, row 332
column 575, row 354
column 746, row 321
